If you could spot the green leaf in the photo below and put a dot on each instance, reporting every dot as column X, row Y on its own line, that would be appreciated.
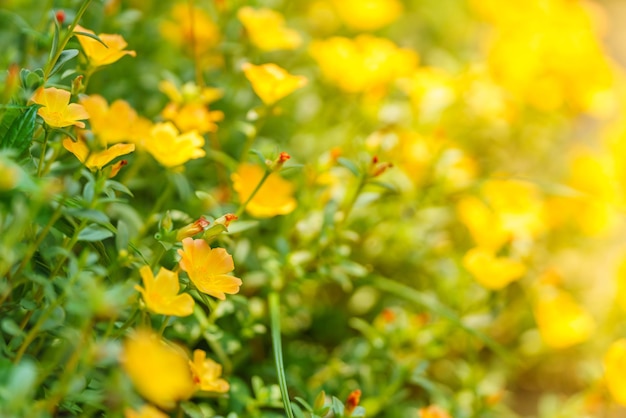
column 65, row 56
column 92, row 36
column 192, row 410
column 94, row 233
column 122, row 238
column 349, row 165
column 274, row 305
column 20, row 133
column 89, row 214
column 55, row 42
column 240, row 226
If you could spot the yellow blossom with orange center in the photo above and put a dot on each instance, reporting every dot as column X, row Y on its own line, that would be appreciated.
column 118, row 122
column 614, row 366
column 366, row 15
column 159, row 372
column 96, row 160
column 266, row 29
column 491, row 271
column 172, row 149
column 363, row 64
column 207, row 373
column 208, row 268
column 160, row 293
column 56, row 109
column 146, row 411
column 271, row 82
column 561, row 320
column 99, row 54
column 275, row 197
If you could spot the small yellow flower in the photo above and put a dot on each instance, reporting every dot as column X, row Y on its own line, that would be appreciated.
column 95, row 160
column 366, row 15
column 191, row 27
column 433, row 411
column 275, row 197
column 193, row 117
column 98, row 54
column 208, row 268
column 614, row 366
column 172, row 149
column 491, row 271
column 206, row 373
column 146, row 411
column 271, row 82
column 115, row 123
column 159, row 372
column 160, row 293
column 266, row 29
column 56, row 110
column 562, row 322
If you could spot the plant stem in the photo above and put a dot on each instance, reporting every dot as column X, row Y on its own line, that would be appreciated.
column 242, row 208
column 42, row 156
column 274, row 304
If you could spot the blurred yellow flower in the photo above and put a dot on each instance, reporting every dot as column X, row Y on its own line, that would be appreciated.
column 98, row 54
column 159, row 372
column 208, row 268
column 562, row 322
column 191, row 28
column 96, row 160
column 271, row 82
column 366, row 15
column 207, row 373
column 160, row 293
column 56, row 110
column 172, row 149
column 116, row 123
column 146, row 411
column 362, row 64
column 431, row 90
column 266, row 29
column 189, row 107
column 614, row 366
column 275, row 197
column 481, row 221
column 491, row 271
column 433, row 411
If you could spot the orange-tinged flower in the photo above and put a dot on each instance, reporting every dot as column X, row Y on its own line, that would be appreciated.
column 146, row 411
column 614, row 366
column 193, row 117
column 365, row 15
column 56, row 110
column 562, row 322
column 208, row 268
column 96, row 159
column 98, row 54
column 172, row 149
column 491, row 271
column 433, row 411
column 271, row 82
column 207, row 373
column 115, row 123
column 159, row 371
column 266, row 29
column 160, row 293
column 352, row 402
column 194, row 228
column 275, row 197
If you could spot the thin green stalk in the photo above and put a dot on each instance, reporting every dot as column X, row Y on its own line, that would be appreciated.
column 274, row 304
column 242, row 208
column 164, row 324
column 42, row 156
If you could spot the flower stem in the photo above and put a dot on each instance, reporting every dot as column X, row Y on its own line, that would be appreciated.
column 42, row 156
column 274, row 304
column 242, row 208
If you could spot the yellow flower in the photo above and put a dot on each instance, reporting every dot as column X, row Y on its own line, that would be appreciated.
column 172, row 149
column 191, row 27
column 562, row 322
column 98, row 54
column 275, row 197
column 266, row 29
column 56, row 110
column 206, row 373
column 271, row 83
column 189, row 107
column 614, row 366
column 96, row 159
column 146, row 411
column 161, row 293
column 363, row 64
column 159, row 372
column 208, row 268
column 366, row 15
column 116, row 123
column 491, row 271
column 433, row 411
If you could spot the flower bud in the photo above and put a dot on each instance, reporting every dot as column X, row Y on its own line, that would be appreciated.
column 192, row 229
